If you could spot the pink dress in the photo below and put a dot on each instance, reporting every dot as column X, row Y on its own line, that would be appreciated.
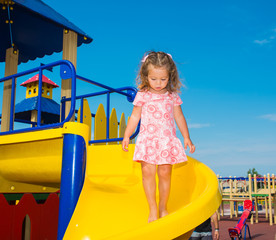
column 157, row 142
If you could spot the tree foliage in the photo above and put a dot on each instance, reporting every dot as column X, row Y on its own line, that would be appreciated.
column 253, row 171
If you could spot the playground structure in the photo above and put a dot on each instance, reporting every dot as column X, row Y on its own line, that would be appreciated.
column 70, row 179
column 260, row 190
column 236, row 232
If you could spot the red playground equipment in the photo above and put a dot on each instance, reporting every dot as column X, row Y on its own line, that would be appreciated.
column 236, row 232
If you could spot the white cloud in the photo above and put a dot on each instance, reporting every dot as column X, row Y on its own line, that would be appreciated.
column 199, row 125
column 271, row 36
column 261, row 42
column 270, row 117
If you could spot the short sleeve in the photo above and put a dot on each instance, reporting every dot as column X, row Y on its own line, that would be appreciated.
column 139, row 100
column 176, row 100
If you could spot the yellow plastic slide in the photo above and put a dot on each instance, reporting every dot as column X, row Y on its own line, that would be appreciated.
column 112, row 204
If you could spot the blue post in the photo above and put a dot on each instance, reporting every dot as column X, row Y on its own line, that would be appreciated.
column 12, row 104
column 81, row 111
column 72, row 178
column 107, row 114
column 39, row 98
column 62, row 109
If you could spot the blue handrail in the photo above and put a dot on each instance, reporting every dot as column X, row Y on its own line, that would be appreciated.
column 67, row 67
column 118, row 90
column 104, row 86
column 67, row 71
column 130, row 94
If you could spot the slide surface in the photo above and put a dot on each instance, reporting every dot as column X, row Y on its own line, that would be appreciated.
column 112, row 204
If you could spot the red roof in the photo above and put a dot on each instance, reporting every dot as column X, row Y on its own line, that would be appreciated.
column 35, row 79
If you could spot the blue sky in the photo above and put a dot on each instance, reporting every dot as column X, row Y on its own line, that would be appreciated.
column 225, row 53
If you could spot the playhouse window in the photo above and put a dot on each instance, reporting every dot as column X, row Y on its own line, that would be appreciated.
column 48, row 93
column 35, row 90
column 30, row 91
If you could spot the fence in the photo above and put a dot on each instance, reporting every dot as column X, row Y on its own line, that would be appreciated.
column 115, row 130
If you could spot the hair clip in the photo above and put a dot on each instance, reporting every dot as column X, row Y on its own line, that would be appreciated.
column 145, row 57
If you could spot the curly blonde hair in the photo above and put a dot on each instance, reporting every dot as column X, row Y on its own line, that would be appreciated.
column 162, row 60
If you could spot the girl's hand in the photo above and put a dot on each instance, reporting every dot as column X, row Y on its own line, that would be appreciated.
column 188, row 142
column 125, row 143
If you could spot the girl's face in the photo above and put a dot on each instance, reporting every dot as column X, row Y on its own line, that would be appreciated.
column 158, row 78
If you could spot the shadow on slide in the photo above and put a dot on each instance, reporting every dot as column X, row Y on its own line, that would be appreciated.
column 112, row 204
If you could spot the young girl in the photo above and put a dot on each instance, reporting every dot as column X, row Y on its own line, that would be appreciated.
column 158, row 105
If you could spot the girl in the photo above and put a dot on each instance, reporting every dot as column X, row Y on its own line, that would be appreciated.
column 158, row 105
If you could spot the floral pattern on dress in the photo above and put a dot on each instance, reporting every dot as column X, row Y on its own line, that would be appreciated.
column 157, row 142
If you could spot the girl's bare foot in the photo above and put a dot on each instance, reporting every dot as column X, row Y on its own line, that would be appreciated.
column 152, row 216
column 163, row 213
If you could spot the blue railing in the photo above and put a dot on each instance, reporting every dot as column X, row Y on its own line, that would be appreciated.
column 67, row 70
column 130, row 94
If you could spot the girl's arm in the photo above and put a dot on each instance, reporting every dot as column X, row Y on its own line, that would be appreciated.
column 182, row 126
column 131, row 125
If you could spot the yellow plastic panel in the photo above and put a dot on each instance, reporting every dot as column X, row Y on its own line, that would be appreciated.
column 87, row 118
column 7, row 186
column 100, row 125
column 122, row 126
column 113, row 126
column 31, row 162
column 112, row 204
column 31, row 136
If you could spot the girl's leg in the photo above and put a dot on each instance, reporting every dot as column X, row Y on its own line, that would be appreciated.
column 164, row 175
column 149, row 183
